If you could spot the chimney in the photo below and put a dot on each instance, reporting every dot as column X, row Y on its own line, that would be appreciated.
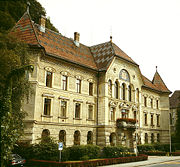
column 76, row 38
column 42, row 23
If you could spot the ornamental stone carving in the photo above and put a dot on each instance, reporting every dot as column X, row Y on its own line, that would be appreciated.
column 50, row 69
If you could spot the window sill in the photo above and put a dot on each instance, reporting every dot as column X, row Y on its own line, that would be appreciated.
column 145, row 124
column 158, row 125
column 47, row 116
column 89, row 119
column 77, row 118
column 112, row 121
column 63, row 117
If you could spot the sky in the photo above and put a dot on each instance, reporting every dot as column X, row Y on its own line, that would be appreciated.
column 148, row 31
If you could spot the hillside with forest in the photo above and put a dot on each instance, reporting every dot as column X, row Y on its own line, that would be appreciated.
column 12, row 11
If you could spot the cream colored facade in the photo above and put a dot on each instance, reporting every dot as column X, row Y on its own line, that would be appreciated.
column 89, row 95
column 102, row 125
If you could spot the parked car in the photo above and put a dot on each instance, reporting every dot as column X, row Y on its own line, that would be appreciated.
column 16, row 160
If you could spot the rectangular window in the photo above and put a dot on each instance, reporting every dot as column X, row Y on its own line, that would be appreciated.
column 158, row 120
column 78, row 86
column 112, row 114
column 49, row 79
column 63, row 108
column 145, row 119
column 47, row 106
column 151, row 103
column 152, row 123
column 90, row 89
column 157, row 104
column 145, row 101
column 64, row 82
column 77, row 110
column 135, row 114
column 90, row 112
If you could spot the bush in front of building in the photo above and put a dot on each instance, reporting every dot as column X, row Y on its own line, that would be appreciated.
column 116, row 151
column 81, row 152
column 157, row 147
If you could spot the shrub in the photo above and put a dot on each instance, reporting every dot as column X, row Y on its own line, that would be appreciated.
column 78, row 152
column 115, row 151
column 145, row 147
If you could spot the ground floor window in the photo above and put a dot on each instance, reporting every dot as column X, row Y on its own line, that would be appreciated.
column 62, row 137
column 152, row 138
column 45, row 135
column 90, row 137
column 76, row 137
column 146, row 138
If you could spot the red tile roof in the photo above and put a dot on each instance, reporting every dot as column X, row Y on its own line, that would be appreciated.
column 159, row 83
column 156, row 84
column 96, row 57
column 24, row 30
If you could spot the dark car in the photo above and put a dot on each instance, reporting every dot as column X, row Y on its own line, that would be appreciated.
column 16, row 160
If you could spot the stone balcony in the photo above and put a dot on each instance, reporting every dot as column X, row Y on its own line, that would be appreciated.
column 126, row 123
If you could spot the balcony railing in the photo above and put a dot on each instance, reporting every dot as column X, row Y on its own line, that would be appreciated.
column 126, row 123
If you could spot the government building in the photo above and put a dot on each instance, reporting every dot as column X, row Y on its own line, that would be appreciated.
column 89, row 95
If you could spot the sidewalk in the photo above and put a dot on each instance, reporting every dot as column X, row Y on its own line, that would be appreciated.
column 151, row 160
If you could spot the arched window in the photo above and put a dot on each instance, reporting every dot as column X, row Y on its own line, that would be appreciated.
column 45, row 135
column 62, row 136
column 90, row 137
column 110, row 87
column 116, row 90
column 158, row 138
column 146, row 138
column 129, row 93
column 152, row 138
column 137, row 95
column 76, row 137
column 112, row 139
column 123, row 91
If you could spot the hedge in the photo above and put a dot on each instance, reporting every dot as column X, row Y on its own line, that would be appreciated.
column 89, row 163
column 161, row 153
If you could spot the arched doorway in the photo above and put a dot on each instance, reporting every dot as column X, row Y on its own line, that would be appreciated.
column 112, row 139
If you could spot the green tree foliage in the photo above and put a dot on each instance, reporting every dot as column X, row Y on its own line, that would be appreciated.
column 13, row 88
column 12, row 11
column 177, row 133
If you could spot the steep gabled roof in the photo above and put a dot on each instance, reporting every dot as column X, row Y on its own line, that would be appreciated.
column 159, row 83
column 24, row 30
column 105, row 52
column 118, row 52
column 156, row 84
column 147, row 83
column 62, row 47
column 175, row 99
column 97, row 57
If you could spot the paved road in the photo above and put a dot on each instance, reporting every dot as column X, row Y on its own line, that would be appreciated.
column 175, row 163
column 153, row 161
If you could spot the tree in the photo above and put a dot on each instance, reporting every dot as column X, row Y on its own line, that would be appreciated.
column 12, row 11
column 177, row 132
column 14, row 64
